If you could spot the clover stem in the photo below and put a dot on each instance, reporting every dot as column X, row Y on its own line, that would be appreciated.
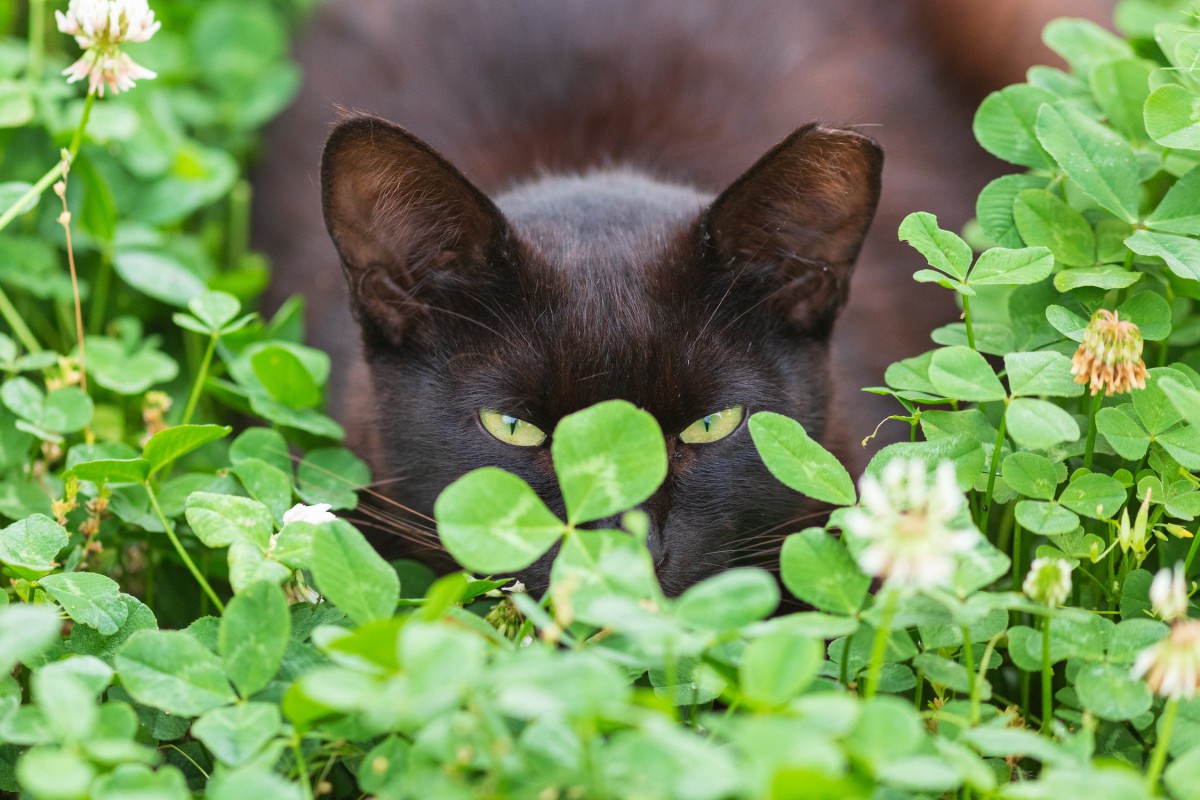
column 1047, row 676
column 201, row 376
column 183, row 555
column 993, row 469
column 972, row 679
column 1090, row 447
column 99, row 299
column 17, row 323
column 301, row 767
column 54, row 173
column 1159, row 757
column 1016, row 558
column 879, row 648
column 1191, row 555
column 967, row 321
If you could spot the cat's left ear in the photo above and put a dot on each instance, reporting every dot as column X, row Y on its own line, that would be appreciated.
column 797, row 219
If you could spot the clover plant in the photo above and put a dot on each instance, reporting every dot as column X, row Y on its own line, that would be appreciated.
column 999, row 608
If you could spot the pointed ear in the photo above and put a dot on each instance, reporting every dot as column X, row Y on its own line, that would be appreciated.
column 405, row 222
column 798, row 218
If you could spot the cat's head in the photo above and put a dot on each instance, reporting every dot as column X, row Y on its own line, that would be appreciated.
column 486, row 320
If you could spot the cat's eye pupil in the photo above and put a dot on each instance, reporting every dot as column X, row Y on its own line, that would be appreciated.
column 713, row 427
column 510, row 429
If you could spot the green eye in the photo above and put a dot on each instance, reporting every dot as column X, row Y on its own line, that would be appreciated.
column 511, row 430
column 714, row 427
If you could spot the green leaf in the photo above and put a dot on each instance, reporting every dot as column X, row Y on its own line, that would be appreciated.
column 262, row 443
column 1110, row 692
column 778, row 667
column 158, row 275
column 251, row 780
column 49, row 773
column 1182, row 777
column 729, row 600
column 170, row 444
column 1031, row 475
column 1099, row 161
column 332, row 475
column 112, row 470
column 1083, row 44
column 602, row 566
column 235, row 734
column 1181, row 253
column 951, row 674
column 1120, row 429
column 962, row 373
column 1043, row 219
column 85, row 640
column 254, row 634
column 1004, row 125
column 1120, row 87
column 1043, row 373
column 1183, row 444
column 26, row 631
column 1150, row 312
column 285, row 377
column 1184, row 398
column 1094, row 495
column 1005, row 267
column 266, row 484
column 89, row 598
column 1179, row 210
column 119, row 368
column 492, row 523
column 172, row 671
column 1171, row 118
column 28, row 546
column 943, row 250
column 352, row 575
column 1153, row 404
column 219, row 520
column 608, row 458
column 214, row 309
column 994, row 208
column 817, row 568
column 1109, row 276
column 799, row 462
column 1039, row 424
column 139, row 782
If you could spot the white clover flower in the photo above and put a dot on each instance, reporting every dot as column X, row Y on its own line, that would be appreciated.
column 100, row 26
column 907, row 525
column 1172, row 667
column 316, row 514
column 1048, row 581
column 1169, row 594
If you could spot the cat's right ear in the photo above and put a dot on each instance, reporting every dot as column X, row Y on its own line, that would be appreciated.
column 405, row 222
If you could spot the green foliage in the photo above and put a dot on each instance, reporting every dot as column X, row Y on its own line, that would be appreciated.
column 299, row 661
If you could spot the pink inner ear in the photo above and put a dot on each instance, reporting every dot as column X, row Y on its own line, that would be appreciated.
column 803, row 211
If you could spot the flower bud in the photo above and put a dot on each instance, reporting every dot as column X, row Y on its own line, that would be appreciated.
column 1169, row 594
column 1048, row 581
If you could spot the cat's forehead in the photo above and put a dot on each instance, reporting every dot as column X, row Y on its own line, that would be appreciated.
column 610, row 219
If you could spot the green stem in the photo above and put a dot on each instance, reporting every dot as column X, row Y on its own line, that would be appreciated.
column 1159, row 757
column 178, row 545
column 1047, row 677
column 201, row 376
column 17, row 323
column 54, row 173
column 993, row 470
column 879, row 648
column 973, row 681
column 1187, row 563
column 301, row 767
column 1088, row 449
column 1016, row 558
column 967, row 320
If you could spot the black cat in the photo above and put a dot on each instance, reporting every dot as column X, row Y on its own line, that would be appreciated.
column 616, row 253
